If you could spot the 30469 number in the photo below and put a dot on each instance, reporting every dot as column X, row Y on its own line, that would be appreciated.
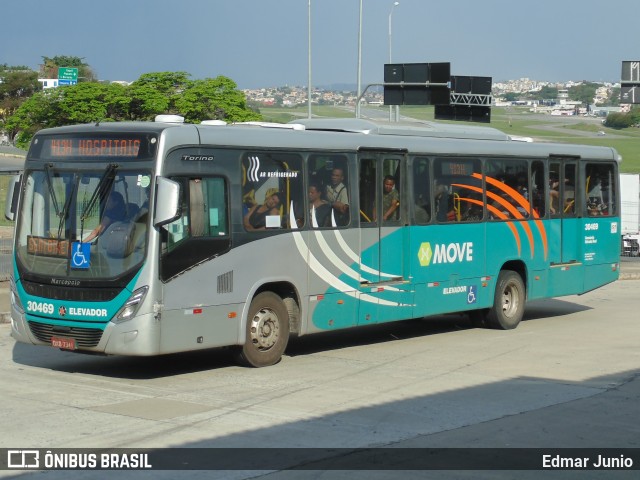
column 40, row 307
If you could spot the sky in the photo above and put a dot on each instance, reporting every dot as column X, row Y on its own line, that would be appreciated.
column 264, row 43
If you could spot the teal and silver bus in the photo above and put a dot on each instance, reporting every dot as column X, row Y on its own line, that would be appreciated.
column 161, row 237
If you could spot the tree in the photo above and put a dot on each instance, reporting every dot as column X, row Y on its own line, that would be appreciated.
column 167, row 83
column 619, row 120
column 583, row 93
column 545, row 93
column 511, row 96
column 150, row 95
column 35, row 113
column 214, row 99
column 145, row 101
column 49, row 68
column 17, row 84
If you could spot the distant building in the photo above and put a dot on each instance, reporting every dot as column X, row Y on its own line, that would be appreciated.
column 600, row 111
column 48, row 82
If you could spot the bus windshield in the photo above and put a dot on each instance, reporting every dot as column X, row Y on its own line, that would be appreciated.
column 83, row 225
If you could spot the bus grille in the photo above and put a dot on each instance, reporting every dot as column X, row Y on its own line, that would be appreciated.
column 71, row 293
column 225, row 282
column 84, row 337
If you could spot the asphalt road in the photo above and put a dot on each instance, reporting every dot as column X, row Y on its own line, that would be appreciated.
column 568, row 376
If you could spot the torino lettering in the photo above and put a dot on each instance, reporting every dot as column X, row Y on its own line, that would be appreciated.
column 453, row 253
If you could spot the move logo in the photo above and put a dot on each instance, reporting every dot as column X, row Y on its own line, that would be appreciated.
column 445, row 253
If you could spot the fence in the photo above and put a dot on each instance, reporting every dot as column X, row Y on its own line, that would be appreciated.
column 6, row 246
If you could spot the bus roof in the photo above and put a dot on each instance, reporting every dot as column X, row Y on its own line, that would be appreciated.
column 350, row 134
column 422, row 129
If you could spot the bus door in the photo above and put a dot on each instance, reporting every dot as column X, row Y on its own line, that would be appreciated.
column 565, row 244
column 384, row 238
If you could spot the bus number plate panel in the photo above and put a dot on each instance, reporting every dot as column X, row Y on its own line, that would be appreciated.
column 64, row 343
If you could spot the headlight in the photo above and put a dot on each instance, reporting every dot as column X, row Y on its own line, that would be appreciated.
column 128, row 311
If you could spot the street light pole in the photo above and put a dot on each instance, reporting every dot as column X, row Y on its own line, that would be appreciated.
column 309, row 79
column 359, row 92
column 395, row 4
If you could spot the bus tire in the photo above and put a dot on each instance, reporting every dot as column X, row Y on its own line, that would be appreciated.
column 508, row 301
column 267, row 332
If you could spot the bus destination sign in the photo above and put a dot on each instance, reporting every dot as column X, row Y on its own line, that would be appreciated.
column 133, row 147
column 94, row 147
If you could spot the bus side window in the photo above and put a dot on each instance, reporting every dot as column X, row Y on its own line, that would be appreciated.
column 554, row 189
column 538, row 197
column 600, row 191
column 569, row 191
column 421, row 193
column 368, row 189
column 272, row 191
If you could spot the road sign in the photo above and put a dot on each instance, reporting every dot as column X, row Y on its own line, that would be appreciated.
column 67, row 82
column 416, row 83
column 68, row 73
column 630, row 72
column 464, row 113
column 630, row 82
column 470, row 100
column 629, row 94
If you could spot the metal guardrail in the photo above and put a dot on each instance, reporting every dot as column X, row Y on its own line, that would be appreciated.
column 6, row 245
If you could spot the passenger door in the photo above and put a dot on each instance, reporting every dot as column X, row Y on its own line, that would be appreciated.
column 566, row 241
column 384, row 237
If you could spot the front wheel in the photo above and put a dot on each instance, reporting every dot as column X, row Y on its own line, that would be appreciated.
column 267, row 332
column 508, row 301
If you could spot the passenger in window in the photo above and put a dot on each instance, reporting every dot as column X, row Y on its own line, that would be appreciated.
column 114, row 211
column 320, row 209
column 338, row 196
column 521, row 186
column 256, row 218
column 248, row 201
column 141, row 212
column 472, row 211
column 554, row 194
column 390, row 200
column 422, row 211
column 445, row 211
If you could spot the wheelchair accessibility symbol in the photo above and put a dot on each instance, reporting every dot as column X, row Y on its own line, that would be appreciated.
column 81, row 255
column 472, row 294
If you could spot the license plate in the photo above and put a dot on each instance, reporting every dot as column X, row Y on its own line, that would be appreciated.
column 65, row 343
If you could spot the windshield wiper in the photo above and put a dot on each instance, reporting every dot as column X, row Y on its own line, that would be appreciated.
column 105, row 183
column 60, row 214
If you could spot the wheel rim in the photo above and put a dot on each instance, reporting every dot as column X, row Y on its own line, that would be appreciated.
column 510, row 301
column 265, row 329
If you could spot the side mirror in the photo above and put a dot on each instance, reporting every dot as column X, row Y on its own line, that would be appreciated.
column 13, row 192
column 167, row 201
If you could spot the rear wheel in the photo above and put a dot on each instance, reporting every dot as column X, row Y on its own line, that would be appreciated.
column 267, row 331
column 508, row 301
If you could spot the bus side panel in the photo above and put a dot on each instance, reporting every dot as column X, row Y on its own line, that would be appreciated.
column 205, row 306
column 601, row 251
column 566, row 272
column 388, row 296
column 333, row 278
column 448, row 263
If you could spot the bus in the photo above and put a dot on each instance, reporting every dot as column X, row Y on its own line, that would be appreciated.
column 148, row 238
